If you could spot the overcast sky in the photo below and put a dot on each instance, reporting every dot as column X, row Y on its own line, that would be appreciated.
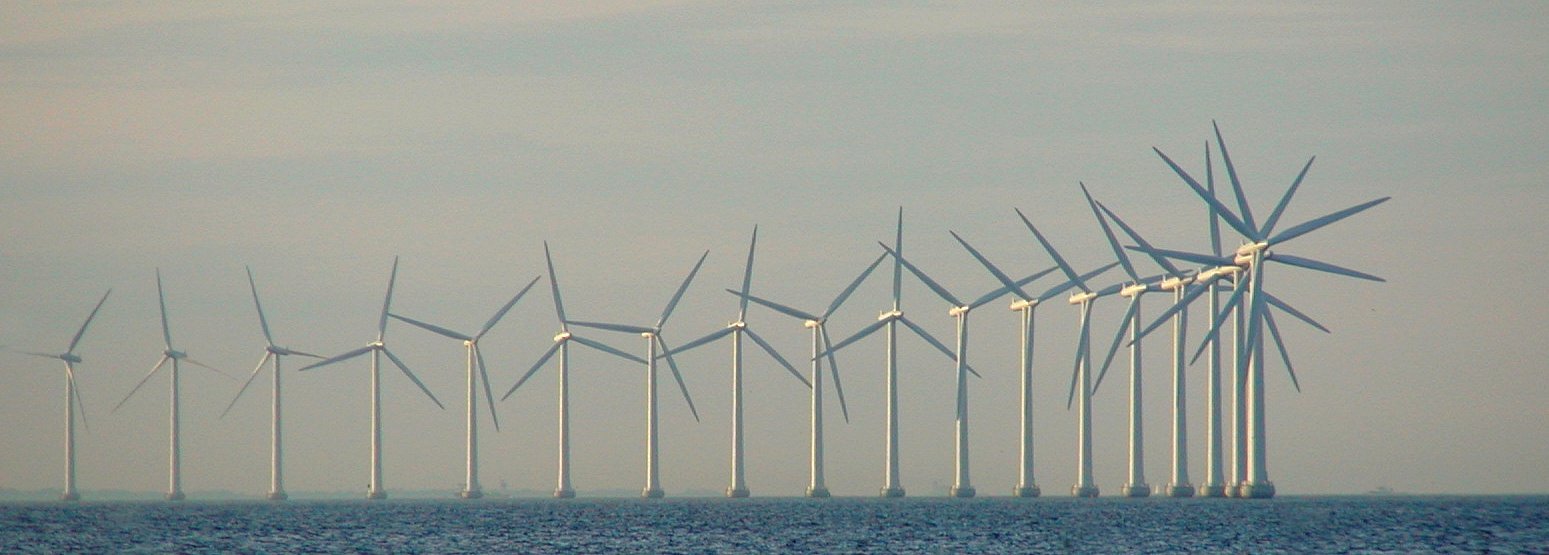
column 316, row 143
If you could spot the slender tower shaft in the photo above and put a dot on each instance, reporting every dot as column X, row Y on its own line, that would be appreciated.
column 1213, row 486
column 1239, row 399
column 374, row 489
column 1180, row 486
column 175, row 462
column 1026, row 486
column 563, row 490
column 1257, row 485
column 653, row 488
column 69, row 493
column 739, row 486
column 891, row 486
column 816, row 488
column 471, row 488
column 276, row 470
column 961, row 486
column 1137, row 486
column 1085, row 487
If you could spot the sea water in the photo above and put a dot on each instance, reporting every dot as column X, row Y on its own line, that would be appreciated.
column 1362, row 524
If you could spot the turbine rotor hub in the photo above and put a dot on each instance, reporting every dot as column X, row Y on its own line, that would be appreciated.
column 891, row 315
column 1134, row 290
column 70, row 357
column 562, row 336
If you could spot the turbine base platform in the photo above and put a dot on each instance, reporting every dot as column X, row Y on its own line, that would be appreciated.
column 470, row 494
column 737, row 493
column 1083, row 491
column 1217, row 490
column 175, row 496
column 1026, row 491
column 1233, row 489
column 276, row 496
column 818, row 493
column 1135, row 490
column 653, row 493
column 564, row 493
column 892, row 492
column 376, row 494
column 1256, row 490
column 70, row 496
column 963, row 492
column 1180, row 490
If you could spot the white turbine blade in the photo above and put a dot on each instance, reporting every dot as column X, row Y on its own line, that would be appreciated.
column 1269, row 225
column 935, row 343
column 559, row 302
column 780, row 359
column 507, row 308
column 712, row 336
column 845, row 294
column 868, row 330
column 898, row 273
column 994, row 271
column 1317, row 223
column 75, row 389
column 1321, row 266
column 530, row 371
column 930, row 283
column 38, row 354
column 1063, row 287
column 299, row 353
column 1058, row 260
column 1118, row 339
column 623, row 328
column 1160, row 260
column 166, row 331
column 1210, row 188
column 1001, row 292
column 1222, row 211
column 747, row 277
column 1081, row 348
column 777, row 307
column 159, row 364
column 412, row 377
column 387, row 301
column 833, row 370
column 1282, row 305
column 677, row 376
column 337, row 358
column 606, row 349
column 432, row 328
column 250, row 377
column 489, row 395
column 210, row 368
column 1207, row 259
column 1231, row 172
column 1219, row 320
column 683, row 288
column 1113, row 241
column 77, row 339
column 1274, row 330
column 262, row 321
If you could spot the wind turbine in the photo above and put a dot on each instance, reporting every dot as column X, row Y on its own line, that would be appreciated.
column 891, row 486
column 175, row 460
column 271, row 353
column 653, row 338
column 1026, row 306
column 821, row 345
column 961, row 486
column 562, row 346
column 1253, row 256
column 376, row 489
column 471, row 489
column 72, row 400
column 739, row 486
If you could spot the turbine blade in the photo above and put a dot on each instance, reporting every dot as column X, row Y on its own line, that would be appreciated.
column 1222, row 211
column 712, row 336
column 210, row 368
column 1075, row 374
column 1113, row 242
column 935, row 343
column 250, row 377
column 677, row 296
column 77, row 339
column 1189, row 296
column 1197, row 258
column 1321, row 266
column 1210, row 188
column 845, row 294
column 833, row 370
column 1061, row 288
column 777, row 307
column 1219, row 320
column 775, row 355
column 930, row 283
column 994, row 271
column 1317, row 223
column 606, row 349
column 75, row 389
column 1058, row 260
column 489, row 396
column 1160, row 260
column 898, row 273
column 1274, row 330
column 530, row 371
column 166, row 330
column 1118, row 338
column 299, row 353
column 336, row 358
column 38, row 354
column 559, row 303
column 747, row 277
column 507, row 308
column 677, row 376
column 159, row 364
column 1231, row 172
column 1269, row 225
column 262, row 321
column 432, row 328
column 868, row 330
column 623, row 328
column 1282, row 305
column 387, row 301
column 998, row 293
column 401, row 366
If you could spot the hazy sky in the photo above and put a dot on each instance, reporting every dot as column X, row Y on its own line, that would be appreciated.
column 315, row 143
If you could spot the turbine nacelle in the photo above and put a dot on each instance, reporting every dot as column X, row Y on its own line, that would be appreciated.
column 562, row 337
column 1246, row 259
column 958, row 310
column 809, row 324
column 1175, row 283
column 1250, row 248
column 890, row 315
column 738, row 325
column 70, row 357
column 1134, row 290
column 1082, row 297
column 1023, row 304
column 174, row 355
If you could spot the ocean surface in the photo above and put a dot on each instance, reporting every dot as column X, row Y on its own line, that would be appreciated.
column 1358, row 524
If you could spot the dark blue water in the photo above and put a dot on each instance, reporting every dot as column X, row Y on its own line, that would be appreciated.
column 1056, row 525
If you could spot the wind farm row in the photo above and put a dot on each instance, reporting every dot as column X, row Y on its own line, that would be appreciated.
column 1233, row 349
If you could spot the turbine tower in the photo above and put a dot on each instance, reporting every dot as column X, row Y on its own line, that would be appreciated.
column 564, row 490
column 273, row 353
column 73, row 401
column 739, row 487
column 175, row 451
column 376, row 488
column 653, row 338
column 471, row 489
column 821, row 346
column 892, row 487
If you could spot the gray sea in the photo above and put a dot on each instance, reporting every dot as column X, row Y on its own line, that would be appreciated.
column 1354, row 524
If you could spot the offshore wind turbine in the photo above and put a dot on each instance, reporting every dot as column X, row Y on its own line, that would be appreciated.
column 739, row 487
column 1253, row 256
column 564, row 489
column 175, row 451
column 471, row 489
column 376, row 488
column 653, row 338
column 821, row 345
column 961, row 485
column 273, row 353
column 892, row 487
column 73, row 401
